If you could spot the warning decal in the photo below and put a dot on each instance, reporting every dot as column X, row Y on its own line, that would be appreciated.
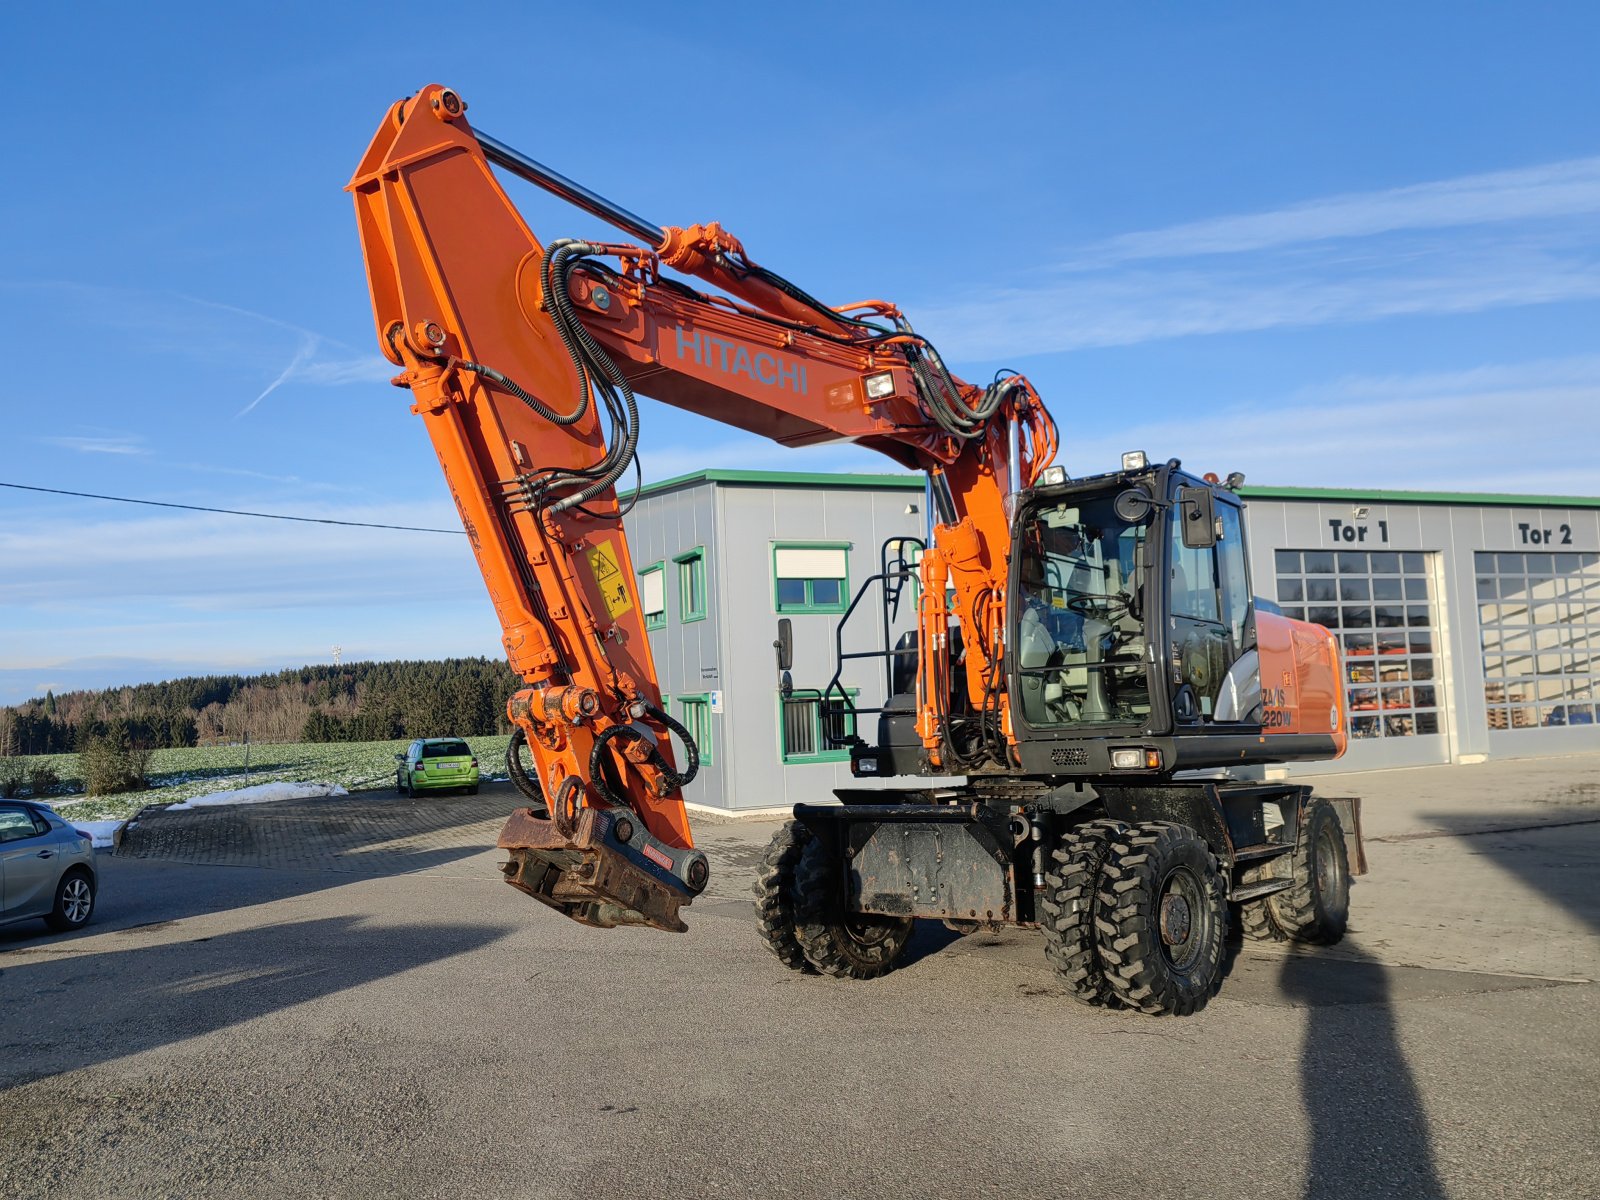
column 608, row 578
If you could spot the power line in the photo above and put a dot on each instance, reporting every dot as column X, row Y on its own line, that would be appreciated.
column 232, row 512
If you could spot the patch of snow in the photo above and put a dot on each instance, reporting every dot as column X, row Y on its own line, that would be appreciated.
column 262, row 793
column 101, row 831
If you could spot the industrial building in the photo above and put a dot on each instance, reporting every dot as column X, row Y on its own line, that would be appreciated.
column 1469, row 625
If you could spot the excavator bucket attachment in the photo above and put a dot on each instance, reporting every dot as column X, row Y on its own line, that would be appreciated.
column 610, row 872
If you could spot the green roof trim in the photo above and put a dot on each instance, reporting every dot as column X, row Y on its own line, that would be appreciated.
column 814, row 479
column 1474, row 499
column 914, row 483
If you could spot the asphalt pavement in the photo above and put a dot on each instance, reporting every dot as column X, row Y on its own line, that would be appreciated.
column 340, row 998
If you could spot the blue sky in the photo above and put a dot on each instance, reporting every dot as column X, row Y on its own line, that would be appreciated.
column 1337, row 245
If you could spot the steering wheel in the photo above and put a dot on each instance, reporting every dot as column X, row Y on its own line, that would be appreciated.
column 1099, row 608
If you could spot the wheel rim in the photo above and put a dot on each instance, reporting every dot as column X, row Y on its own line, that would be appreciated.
column 75, row 900
column 1181, row 916
column 867, row 933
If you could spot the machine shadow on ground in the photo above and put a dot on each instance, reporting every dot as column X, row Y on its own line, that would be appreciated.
column 189, row 863
column 1368, row 1129
column 150, row 996
column 1522, row 849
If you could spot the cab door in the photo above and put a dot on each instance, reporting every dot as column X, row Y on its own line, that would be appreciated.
column 1209, row 590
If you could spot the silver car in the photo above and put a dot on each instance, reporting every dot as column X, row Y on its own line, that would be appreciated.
column 46, row 868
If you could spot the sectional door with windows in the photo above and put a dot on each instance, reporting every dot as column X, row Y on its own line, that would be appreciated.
column 1381, row 606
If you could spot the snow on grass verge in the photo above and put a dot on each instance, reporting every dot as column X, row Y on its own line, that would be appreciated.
column 262, row 793
column 103, row 832
column 178, row 775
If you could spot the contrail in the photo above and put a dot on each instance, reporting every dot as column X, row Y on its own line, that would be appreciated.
column 308, row 347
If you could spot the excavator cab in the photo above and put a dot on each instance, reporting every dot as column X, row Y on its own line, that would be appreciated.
column 1134, row 644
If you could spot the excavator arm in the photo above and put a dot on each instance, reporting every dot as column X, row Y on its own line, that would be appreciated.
column 524, row 360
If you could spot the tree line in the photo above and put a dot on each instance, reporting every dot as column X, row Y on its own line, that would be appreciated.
column 353, row 702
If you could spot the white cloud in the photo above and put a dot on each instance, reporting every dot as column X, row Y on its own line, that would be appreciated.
column 1549, row 190
column 1125, row 307
column 1472, row 244
column 116, row 443
column 1525, row 427
column 208, row 562
column 747, row 452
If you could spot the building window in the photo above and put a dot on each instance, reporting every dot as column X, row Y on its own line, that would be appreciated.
column 1377, row 604
column 810, row 577
column 653, row 595
column 1539, row 620
column 692, row 585
column 696, row 711
column 804, row 726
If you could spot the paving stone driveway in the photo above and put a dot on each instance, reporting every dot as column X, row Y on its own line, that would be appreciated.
column 367, row 833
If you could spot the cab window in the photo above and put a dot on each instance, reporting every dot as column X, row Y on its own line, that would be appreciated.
column 1235, row 573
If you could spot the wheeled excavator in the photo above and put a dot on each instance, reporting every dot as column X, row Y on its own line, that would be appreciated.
column 1071, row 723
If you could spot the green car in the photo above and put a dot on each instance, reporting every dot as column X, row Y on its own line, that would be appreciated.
column 434, row 764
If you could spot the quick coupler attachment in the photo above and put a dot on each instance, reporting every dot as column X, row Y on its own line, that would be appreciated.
column 610, row 872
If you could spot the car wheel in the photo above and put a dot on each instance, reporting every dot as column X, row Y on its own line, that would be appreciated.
column 74, row 902
column 407, row 788
column 399, row 783
column 473, row 790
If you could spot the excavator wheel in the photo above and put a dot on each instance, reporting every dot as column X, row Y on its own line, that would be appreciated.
column 774, row 889
column 845, row 945
column 1255, row 917
column 1161, row 919
column 1317, row 908
column 1066, row 911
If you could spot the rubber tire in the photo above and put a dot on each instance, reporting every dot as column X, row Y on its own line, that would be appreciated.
column 1067, row 908
column 1138, row 967
column 399, row 783
column 1306, row 912
column 407, row 790
column 845, row 946
column 58, row 919
column 774, row 890
column 473, row 790
column 1256, row 921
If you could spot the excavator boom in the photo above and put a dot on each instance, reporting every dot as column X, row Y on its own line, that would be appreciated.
column 524, row 359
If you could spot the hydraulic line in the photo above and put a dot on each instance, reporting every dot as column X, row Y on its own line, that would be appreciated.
column 674, row 779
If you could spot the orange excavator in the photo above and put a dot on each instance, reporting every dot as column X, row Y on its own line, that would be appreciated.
column 1088, row 673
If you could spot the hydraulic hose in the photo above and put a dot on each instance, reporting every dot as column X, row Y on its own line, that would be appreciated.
column 675, row 779
column 597, row 369
column 532, row 402
column 524, row 783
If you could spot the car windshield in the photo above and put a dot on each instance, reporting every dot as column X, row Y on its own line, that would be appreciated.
column 445, row 750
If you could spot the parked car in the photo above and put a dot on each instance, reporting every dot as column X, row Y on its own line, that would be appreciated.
column 436, row 764
column 46, row 868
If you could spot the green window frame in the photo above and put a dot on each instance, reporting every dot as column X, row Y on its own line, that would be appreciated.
column 798, row 587
column 800, row 738
column 695, row 713
column 691, row 585
column 654, row 620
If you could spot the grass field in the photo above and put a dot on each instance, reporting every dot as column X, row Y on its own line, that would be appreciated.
column 183, row 774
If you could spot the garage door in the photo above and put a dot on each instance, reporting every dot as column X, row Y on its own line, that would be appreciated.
column 1539, row 616
column 1380, row 605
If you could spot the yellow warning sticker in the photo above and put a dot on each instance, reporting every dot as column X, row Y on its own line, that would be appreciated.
column 603, row 564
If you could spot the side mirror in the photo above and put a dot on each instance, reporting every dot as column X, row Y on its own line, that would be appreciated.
column 1198, row 514
column 785, row 644
column 1134, row 506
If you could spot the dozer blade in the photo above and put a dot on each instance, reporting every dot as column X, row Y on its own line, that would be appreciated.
column 610, row 872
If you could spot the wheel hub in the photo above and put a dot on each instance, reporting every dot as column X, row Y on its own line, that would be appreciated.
column 1176, row 922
